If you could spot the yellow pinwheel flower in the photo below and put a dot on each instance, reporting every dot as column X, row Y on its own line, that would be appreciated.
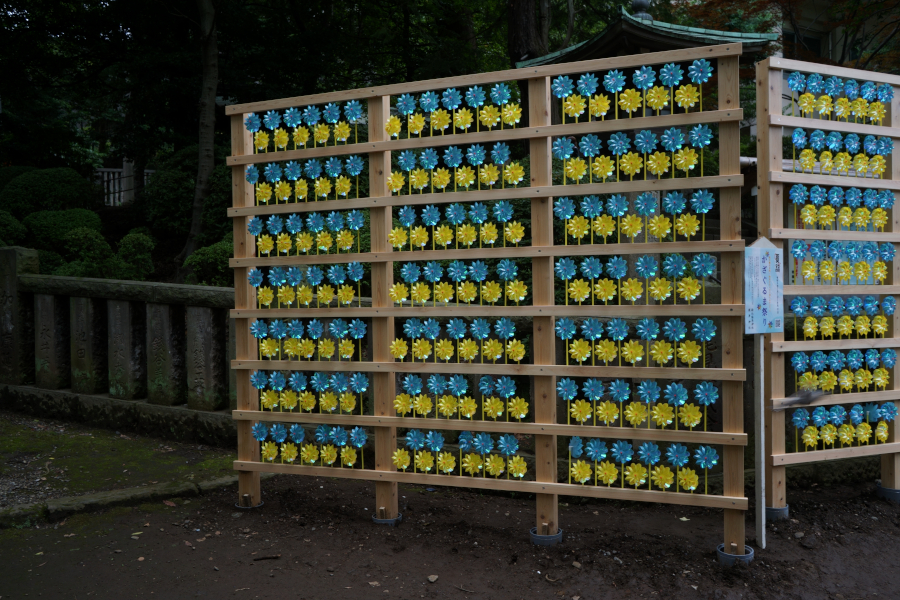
column 269, row 398
column 344, row 240
column 324, row 292
column 687, row 479
column 808, row 214
column 689, row 352
column 579, row 290
column 631, row 163
column 280, row 137
column 421, row 349
column 860, row 108
column 630, row 100
column 515, row 350
column 490, row 292
column 516, row 291
column 472, row 464
column 688, row 288
column 881, row 431
column 348, row 456
column 269, row 451
column 578, row 227
column 808, row 270
column 599, row 105
column 443, row 235
column 632, row 289
column 347, row 401
column 605, row 289
column 400, row 458
column 513, row 173
column 826, row 327
column 264, row 244
column 393, row 126
column 265, row 296
column 465, row 176
column 513, row 232
column 268, row 347
column 826, row 271
column 324, row 241
column 306, row 399
column 261, row 140
column 659, row 226
column 511, row 113
column 863, row 325
column 809, row 381
column 658, row 163
column 662, row 415
column 806, row 103
column 842, row 108
column 307, row 348
column 399, row 348
column 826, row 162
column 657, row 97
column 467, row 292
column 263, row 193
column 879, row 325
column 304, row 295
column 606, row 350
column 309, row 454
column 604, row 225
column 845, row 272
column 489, row 116
column 488, row 233
column 662, row 477
column 877, row 165
column 863, row 433
column 494, row 465
column 687, row 225
column 608, row 412
column 845, row 380
column 489, row 175
column 636, row 413
column 603, row 167
column 581, row 472
column 843, row 162
column 846, row 433
column 416, row 124
column 446, row 462
column 861, row 271
column 876, row 112
column 574, row 105
column 518, row 408
column 861, row 163
column 282, row 190
column 581, row 410
column 576, row 168
column 824, row 105
column 580, row 350
column 441, row 178
column 467, row 407
column 632, row 225
column 807, row 159
column 607, row 472
column 440, row 119
column 422, row 405
column 325, row 348
column 418, row 178
column 419, row 237
column 328, row 402
column 810, row 327
column 661, row 352
column 444, row 349
column 403, row 404
column 463, row 119
column 660, row 289
column 635, row 474
column 686, row 96
column 341, row 131
column 321, row 133
column 493, row 407
column 810, row 436
column 827, row 381
column 288, row 452
column 517, row 466
column 689, row 415
column 826, row 215
column 301, row 188
column 685, row 159
column 879, row 218
column 863, row 379
column 292, row 347
column 300, row 136
column 399, row 292
column 447, row 406
column 396, row 181
column 346, row 349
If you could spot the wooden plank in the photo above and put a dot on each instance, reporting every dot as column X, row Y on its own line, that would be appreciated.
column 573, row 310
column 544, row 427
column 832, row 180
column 732, row 374
column 890, row 463
column 710, row 246
column 831, row 234
column 497, row 135
column 826, row 71
column 602, row 64
column 649, row 185
column 799, row 458
column 860, row 129
column 507, row 485
column 813, row 345
column 839, row 290
column 781, row 404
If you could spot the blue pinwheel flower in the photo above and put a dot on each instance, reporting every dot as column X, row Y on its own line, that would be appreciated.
column 339, row 382
column 565, row 328
column 617, row 205
column 700, row 136
column 483, row 443
column 587, row 84
column 506, row 387
column 407, row 216
column 455, row 213
column 475, row 96
column 700, row 71
column 486, row 385
column 413, row 328
column 857, row 414
column 576, row 448
column 500, row 153
column 562, row 148
column 259, row 380
column 507, row 270
column 503, row 211
column 888, row 411
column 465, row 440
column 359, row 382
column 649, row 453
column 410, row 272
column 622, row 452
column 298, row 434
column 889, row 357
column 870, row 199
column 255, row 226
column 354, row 165
column 331, row 113
column 592, row 329
column 677, row 455
column 564, row 208
column 798, row 194
column 475, row 155
column 435, row 441
column 614, row 81
column 820, row 416
column 817, row 361
column 593, row 389
column 566, row 389
column 294, row 224
column 853, row 196
column 834, row 141
column 295, row 329
column 870, row 144
column 835, row 360
column 430, row 102
column 706, row 457
column 616, row 267
column 505, row 328
column 457, row 271
column 456, row 328
column 835, row 305
column 355, row 271
column 277, row 329
column 618, row 143
column 800, row 418
column 323, row 434
column 646, row 266
column 259, row 329
column 260, row 432
column 314, row 275
column 870, row 304
column 836, row 197
column 873, row 358
column 670, row 75
column 353, row 111
column 591, row 267
column 837, row 415
column 885, row 93
column 648, row 391
column 481, row 329
column 334, row 221
column 500, row 94
column 312, row 168
column 311, row 115
column 867, row 91
column 458, row 385
column 565, row 268
column 478, row 213
column 433, row 271
column 675, row 394
column 407, row 160
column 815, row 83
column 645, row 204
column 415, row 439
column 562, row 86
column 451, row 99
column 595, row 449
column 590, row 145
column 358, row 437
column 674, row 203
column 674, row 265
column 647, row 329
column 817, row 306
column 674, row 330
column 333, row 167
column 853, row 304
column 619, row 390
column 703, row 265
column 645, row 141
column 507, row 445
column 873, row 411
column 278, row 432
column 437, row 384
column 800, row 362
column 272, row 172
column 704, row 329
column 851, row 142
column 252, row 174
column 406, row 104
column 272, row 119
column 817, row 140
column 453, row 157
column 338, row 328
column 886, row 252
column 834, row 86
column 889, row 305
column 617, row 329
column 672, row 139
column 252, row 123
column 431, row 215
column 277, row 276
column 644, row 78
column 796, row 81
column 478, row 271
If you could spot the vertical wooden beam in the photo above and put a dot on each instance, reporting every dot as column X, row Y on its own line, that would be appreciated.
column 383, row 384
column 732, row 282
column 244, row 297
column 542, row 282
column 890, row 463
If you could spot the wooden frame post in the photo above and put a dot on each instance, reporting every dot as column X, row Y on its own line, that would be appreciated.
column 890, row 463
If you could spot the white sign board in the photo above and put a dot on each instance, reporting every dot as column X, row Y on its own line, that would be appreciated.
column 763, row 288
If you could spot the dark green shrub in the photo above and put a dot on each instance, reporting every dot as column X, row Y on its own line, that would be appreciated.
column 134, row 255
column 48, row 189
column 7, row 174
column 11, row 230
column 50, row 261
column 49, row 228
column 89, row 254
column 209, row 264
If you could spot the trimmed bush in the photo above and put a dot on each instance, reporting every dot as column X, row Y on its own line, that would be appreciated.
column 7, row 174
column 50, row 261
column 48, row 189
column 91, row 256
column 11, row 230
column 134, row 256
column 49, row 228
column 209, row 264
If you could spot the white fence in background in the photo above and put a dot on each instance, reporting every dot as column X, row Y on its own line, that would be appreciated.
column 118, row 184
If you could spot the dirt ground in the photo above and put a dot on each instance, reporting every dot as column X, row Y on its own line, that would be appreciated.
column 314, row 539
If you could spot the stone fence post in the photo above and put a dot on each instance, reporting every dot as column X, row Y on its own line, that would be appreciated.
column 16, row 316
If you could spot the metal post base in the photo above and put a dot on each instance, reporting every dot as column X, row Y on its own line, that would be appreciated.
column 887, row 493
column 779, row 513
column 546, row 540
column 390, row 522
column 729, row 560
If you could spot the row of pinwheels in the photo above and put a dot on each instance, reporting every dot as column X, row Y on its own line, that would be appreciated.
column 463, row 277
column 291, row 338
column 862, row 208
column 617, row 213
column 841, row 98
column 672, row 141
column 647, row 407
column 321, row 125
column 306, row 284
column 297, row 390
column 469, row 168
column 829, row 426
column 844, row 371
column 478, row 458
column 827, row 326
column 842, row 262
column 648, row 465
column 295, row 187
column 464, row 226
column 499, row 111
column 844, row 315
column 335, row 230
column 449, row 398
column 688, row 278
column 870, row 159
column 329, row 444
column 421, row 335
column 648, row 330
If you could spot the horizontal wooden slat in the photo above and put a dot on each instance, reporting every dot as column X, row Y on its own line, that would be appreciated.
column 839, row 290
column 496, row 135
column 638, row 185
column 859, row 128
column 787, row 64
column 832, row 180
column 832, row 399
column 495, row 253
column 630, row 433
column 846, row 344
column 496, row 369
column 617, row 62
column 832, row 234
column 572, row 310
column 507, row 485
column 799, row 458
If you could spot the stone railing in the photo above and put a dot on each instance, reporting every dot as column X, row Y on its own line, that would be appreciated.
column 163, row 344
